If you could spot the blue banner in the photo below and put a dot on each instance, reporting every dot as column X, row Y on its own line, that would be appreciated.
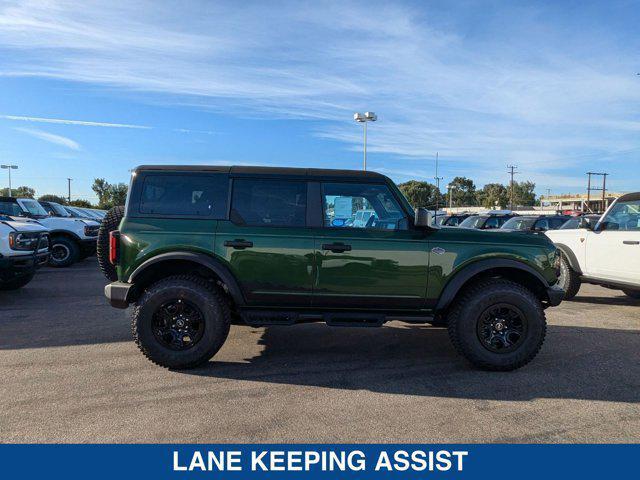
column 319, row 461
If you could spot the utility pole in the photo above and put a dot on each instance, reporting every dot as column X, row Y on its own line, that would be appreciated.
column 590, row 189
column 437, row 179
column 512, row 172
column 69, row 189
column 548, row 195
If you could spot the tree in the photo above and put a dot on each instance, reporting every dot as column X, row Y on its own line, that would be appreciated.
column 463, row 192
column 52, row 198
column 81, row 203
column 109, row 195
column 492, row 195
column 23, row 192
column 523, row 193
column 421, row 194
column 101, row 187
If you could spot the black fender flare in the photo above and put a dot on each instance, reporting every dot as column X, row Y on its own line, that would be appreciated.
column 570, row 256
column 64, row 233
column 454, row 285
column 216, row 266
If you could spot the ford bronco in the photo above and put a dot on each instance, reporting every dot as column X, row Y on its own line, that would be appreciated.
column 199, row 248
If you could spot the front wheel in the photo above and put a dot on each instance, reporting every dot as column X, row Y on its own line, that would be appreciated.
column 632, row 293
column 180, row 322
column 64, row 252
column 568, row 280
column 497, row 325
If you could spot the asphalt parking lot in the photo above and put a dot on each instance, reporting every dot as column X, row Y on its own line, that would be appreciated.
column 70, row 373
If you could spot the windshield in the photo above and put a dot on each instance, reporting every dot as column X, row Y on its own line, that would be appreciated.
column 519, row 223
column 59, row 209
column 33, row 207
column 472, row 222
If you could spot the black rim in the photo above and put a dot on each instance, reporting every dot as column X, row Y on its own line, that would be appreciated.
column 59, row 252
column 178, row 324
column 502, row 328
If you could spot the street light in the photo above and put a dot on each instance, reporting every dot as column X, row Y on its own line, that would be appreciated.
column 9, row 167
column 449, row 188
column 364, row 118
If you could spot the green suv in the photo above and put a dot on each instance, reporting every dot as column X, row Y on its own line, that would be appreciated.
column 199, row 248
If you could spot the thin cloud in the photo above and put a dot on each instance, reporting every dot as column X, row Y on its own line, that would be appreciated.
column 50, row 137
column 72, row 122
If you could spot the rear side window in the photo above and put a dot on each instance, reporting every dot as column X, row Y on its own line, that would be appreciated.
column 269, row 203
column 202, row 195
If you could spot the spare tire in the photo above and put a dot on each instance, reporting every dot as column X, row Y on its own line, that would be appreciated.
column 109, row 223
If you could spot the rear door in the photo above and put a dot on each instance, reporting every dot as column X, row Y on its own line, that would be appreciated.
column 380, row 263
column 266, row 242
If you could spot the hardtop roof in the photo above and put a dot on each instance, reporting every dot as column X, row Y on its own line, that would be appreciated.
column 253, row 170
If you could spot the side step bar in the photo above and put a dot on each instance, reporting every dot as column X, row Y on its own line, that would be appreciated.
column 259, row 318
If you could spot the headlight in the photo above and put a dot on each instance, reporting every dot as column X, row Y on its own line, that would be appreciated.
column 23, row 241
column 91, row 230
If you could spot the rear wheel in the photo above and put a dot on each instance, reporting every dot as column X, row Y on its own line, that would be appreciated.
column 110, row 222
column 497, row 325
column 632, row 293
column 64, row 252
column 180, row 322
column 568, row 280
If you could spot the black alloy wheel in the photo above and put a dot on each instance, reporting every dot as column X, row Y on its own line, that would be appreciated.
column 178, row 324
column 502, row 328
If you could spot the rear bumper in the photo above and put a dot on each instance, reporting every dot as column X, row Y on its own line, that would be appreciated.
column 118, row 294
column 555, row 295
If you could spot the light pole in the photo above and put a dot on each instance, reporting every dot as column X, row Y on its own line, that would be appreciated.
column 9, row 167
column 450, row 187
column 364, row 118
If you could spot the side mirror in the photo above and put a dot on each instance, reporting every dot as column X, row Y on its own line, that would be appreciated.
column 422, row 217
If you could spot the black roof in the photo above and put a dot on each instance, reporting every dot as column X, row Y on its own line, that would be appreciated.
column 250, row 170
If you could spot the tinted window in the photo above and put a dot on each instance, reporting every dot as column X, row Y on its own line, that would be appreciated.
column 555, row 223
column 199, row 195
column 542, row 224
column 354, row 205
column 518, row 223
column 472, row 222
column 492, row 222
column 269, row 203
column 10, row 208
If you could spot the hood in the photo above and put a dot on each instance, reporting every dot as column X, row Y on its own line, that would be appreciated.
column 21, row 226
column 498, row 236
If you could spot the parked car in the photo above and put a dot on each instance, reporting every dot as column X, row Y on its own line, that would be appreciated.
column 198, row 248
column 24, row 247
column 70, row 238
column 487, row 221
column 607, row 253
column 580, row 221
column 535, row 223
column 455, row 220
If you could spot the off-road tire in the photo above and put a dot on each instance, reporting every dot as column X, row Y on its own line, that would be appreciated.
column 569, row 280
column 467, row 310
column 16, row 283
column 206, row 297
column 632, row 293
column 71, row 246
column 109, row 223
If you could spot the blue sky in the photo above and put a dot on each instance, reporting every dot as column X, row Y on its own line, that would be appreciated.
column 93, row 89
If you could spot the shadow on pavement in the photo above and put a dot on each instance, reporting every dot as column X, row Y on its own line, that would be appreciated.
column 621, row 299
column 575, row 363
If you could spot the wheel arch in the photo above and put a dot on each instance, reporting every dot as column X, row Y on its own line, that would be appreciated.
column 514, row 270
column 171, row 263
column 570, row 256
column 64, row 233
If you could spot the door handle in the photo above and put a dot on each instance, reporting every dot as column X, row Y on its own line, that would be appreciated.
column 631, row 242
column 238, row 244
column 336, row 247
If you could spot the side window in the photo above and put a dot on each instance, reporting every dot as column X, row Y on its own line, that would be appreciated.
column 542, row 224
column 492, row 222
column 269, row 203
column 203, row 195
column 623, row 216
column 556, row 223
column 357, row 205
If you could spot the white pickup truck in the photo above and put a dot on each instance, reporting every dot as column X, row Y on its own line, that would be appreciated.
column 606, row 254
column 23, row 248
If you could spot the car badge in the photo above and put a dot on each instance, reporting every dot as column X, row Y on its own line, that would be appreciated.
column 438, row 250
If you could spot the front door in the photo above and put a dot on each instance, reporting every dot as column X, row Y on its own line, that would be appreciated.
column 266, row 243
column 612, row 251
column 366, row 253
